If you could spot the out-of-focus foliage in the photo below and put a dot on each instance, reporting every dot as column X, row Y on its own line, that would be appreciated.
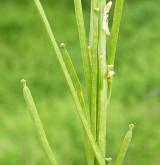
column 25, row 52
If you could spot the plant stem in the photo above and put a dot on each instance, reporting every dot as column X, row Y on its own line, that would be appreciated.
column 94, row 62
column 94, row 71
column 101, row 117
column 124, row 146
column 102, row 97
column 38, row 124
column 94, row 75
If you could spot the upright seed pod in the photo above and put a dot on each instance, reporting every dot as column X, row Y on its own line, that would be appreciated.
column 124, row 146
column 38, row 124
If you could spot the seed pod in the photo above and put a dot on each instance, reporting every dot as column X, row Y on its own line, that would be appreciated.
column 124, row 146
column 38, row 125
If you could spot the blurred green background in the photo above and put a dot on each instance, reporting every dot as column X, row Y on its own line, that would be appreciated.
column 25, row 52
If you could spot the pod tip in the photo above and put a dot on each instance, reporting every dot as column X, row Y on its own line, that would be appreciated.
column 62, row 45
column 131, row 126
column 23, row 81
column 108, row 159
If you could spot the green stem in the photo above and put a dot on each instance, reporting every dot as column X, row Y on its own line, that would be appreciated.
column 94, row 59
column 91, row 157
column 93, row 45
column 38, row 124
column 124, row 146
column 101, row 117
column 102, row 97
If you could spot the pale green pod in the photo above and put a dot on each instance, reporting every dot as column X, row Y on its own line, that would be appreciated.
column 77, row 85
column 73, row 75
column 124, row 146
column 38, row 124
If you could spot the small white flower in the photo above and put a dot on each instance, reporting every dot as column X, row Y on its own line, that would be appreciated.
column 105, row 17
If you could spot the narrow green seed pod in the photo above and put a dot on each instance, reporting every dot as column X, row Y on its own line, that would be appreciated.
column 124, row 146
column 38, row 124
column 73, row 74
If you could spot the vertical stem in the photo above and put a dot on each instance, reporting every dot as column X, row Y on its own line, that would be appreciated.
column 94, row 60
column 101, row 118
column 93, row 44
column 102, row 87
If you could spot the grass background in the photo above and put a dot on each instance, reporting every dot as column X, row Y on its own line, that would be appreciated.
column 25, row 52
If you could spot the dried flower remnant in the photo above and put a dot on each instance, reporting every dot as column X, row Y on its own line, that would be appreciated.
column 110, row 72
column 105, row 17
